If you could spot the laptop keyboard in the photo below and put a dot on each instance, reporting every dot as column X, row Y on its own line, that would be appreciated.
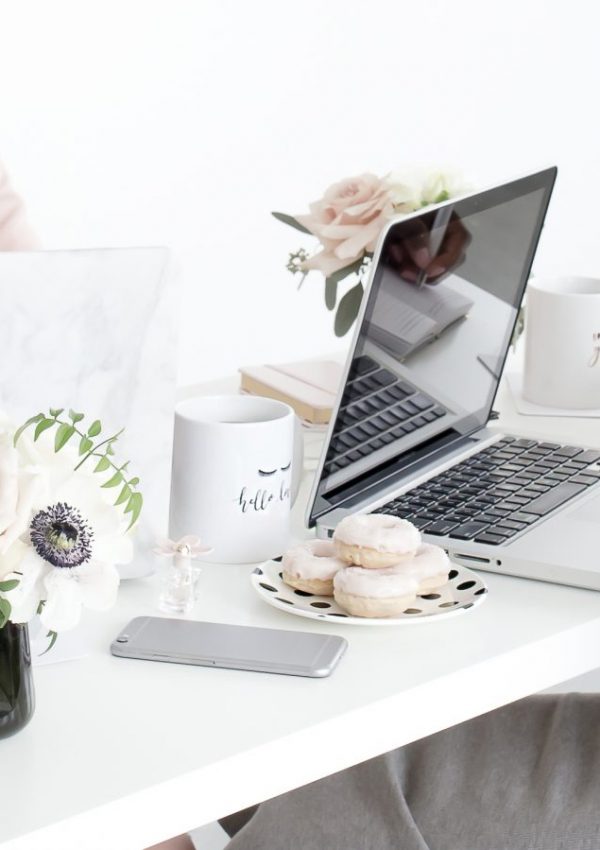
column 376, row 408
column 498, row 492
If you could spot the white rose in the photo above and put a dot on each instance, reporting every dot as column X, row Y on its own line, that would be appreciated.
column 404, row 188
column 441, row 184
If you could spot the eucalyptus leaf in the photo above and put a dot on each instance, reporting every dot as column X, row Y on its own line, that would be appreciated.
column 133, row 482
column 56, row 411
column 52, row 636
column 85, row 445
column 5, row 609
column 94, row 428
column 134, row 507
column 116, row 479
column 63, row 435
column 289, row 220
column 75, row 417
column 124, row 495
column 348, row 310
column 340, row 274
column 25, row 425
column 109, row 449
column 43, row 426
column 102, row 465
column 330, row 293
column 9, row 584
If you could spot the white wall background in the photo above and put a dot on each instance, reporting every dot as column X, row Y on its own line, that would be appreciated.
column 184, row 123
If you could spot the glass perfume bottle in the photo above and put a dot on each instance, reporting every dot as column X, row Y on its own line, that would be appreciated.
column 178, row 592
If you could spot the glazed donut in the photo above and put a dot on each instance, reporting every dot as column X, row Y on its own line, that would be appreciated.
column 375, row 541
column 429, row 566
column 374, row 593
column 311, row 566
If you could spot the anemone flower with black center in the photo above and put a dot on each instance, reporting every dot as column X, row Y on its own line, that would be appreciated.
column 75, row 539
column 61, row 536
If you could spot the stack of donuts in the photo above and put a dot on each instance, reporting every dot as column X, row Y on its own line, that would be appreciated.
column 375, row 565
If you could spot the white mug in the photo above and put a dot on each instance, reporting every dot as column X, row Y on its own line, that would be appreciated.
column 237, row 464
column 562, row 343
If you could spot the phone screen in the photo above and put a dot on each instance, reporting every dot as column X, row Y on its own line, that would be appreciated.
column 222, row 645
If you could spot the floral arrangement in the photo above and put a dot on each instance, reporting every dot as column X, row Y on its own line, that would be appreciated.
column 347, row 221
column 62, row 531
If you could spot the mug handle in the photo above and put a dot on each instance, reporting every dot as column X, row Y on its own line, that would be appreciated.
column 298, row 458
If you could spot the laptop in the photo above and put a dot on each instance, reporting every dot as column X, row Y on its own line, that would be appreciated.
column 409, row 435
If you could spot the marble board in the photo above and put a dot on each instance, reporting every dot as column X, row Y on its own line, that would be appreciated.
column 95, row 331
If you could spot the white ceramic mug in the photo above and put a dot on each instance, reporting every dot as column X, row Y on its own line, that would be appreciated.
column 237, row 465
column 562, row 343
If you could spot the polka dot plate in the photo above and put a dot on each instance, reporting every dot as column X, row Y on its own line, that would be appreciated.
column 465, row 590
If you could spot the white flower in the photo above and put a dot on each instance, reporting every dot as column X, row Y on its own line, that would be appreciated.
column 75, row 536
column 19, row 487
column 441, row 184
column 404, row 187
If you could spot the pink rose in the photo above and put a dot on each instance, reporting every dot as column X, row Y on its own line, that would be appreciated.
column 347, row 221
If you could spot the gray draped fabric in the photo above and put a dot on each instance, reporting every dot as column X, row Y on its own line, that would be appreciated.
column 524, row 777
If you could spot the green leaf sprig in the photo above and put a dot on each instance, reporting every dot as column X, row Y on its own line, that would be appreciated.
column 69, row 427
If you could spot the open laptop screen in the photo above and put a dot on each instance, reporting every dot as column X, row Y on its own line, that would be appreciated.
column 441, row 308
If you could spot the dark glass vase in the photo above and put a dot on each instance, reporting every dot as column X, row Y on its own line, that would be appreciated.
column 16, row 681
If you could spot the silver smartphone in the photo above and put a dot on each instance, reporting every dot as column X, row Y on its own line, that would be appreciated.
column 236, row 647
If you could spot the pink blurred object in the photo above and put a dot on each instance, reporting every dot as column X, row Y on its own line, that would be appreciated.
column 15, row 231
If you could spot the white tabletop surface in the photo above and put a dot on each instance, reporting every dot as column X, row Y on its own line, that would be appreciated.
column 121, row 753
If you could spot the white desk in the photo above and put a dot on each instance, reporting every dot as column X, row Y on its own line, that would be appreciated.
column 121, row 754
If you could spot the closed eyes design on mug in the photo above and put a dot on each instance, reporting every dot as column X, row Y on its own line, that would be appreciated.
column 256, row 498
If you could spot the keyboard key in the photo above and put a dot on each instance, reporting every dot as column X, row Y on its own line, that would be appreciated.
column 567, row 451
column 501, row 531
column 523, row 444
column 586, row 480
column 398, row 432
column 398, row 392
column 558, row 496
column 438, row 411
column 509, row 467
column 589, row 456
column 387, row 438
column 354, row 456
column 467, row 530
column 423, row 403
column 512, row 525
column 538, row 488
column 383, row 378
column 420, row 523
column 508, row 487
column 399, row 413
column 408, row 427
column 521, row 516
column 551, row 446
column 490, row 539
column 369, row 429
column 441, row 527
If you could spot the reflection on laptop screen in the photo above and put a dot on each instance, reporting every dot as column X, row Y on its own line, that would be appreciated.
column 441, row 310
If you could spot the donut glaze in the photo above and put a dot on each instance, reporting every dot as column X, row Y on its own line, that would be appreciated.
column 374, row 593
column 375, row 540
column 311, row 566
column 429, row 566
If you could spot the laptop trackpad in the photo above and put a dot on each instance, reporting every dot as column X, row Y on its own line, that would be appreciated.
column 588, row 511
column 570, row 537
